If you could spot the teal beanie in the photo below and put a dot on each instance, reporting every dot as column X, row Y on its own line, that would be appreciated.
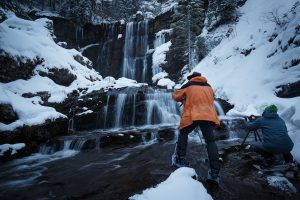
column 272, row 108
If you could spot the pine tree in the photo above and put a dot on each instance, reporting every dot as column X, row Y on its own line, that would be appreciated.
column 79, row 11
column 221, row 12
column 188, row 21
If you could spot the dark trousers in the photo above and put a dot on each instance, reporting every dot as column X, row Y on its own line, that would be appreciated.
column 207, row 128
column 259, row 148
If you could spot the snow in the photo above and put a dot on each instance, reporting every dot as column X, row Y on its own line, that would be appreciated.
column 126, row 82
column 88, row 46
column 122, row 21
column 166, row 82
column 47, row 14
column 281, row 183
column 249, row 82
column 159, row 54
column 28, row 40
column 158, row 76
column 180, row 185
column 13, row 147
column 85, row 112
column 29, row 111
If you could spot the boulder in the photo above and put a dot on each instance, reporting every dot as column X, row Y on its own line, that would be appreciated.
column 59, row 76
column 13, row 68
column 8, row 114
column 289, row 90
column 83, row 61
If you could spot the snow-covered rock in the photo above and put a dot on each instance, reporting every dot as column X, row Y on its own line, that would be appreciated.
column 13, row 147
column 180, row 185
column 159, row 55
column 281, row 183
column 166, row 82
column 159, row 76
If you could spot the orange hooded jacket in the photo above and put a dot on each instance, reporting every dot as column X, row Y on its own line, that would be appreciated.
column 198, row 99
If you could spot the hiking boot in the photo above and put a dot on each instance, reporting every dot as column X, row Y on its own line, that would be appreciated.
column 179, row 161
column 292, row 166
column 213, row 176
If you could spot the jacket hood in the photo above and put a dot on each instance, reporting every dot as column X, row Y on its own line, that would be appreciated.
column 199, row 79
column 269, row 114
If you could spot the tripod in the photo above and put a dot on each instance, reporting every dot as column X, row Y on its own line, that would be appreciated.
column 256, row 136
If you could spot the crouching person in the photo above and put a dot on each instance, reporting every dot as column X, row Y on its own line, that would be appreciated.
column 275, row 137
column 197, row 98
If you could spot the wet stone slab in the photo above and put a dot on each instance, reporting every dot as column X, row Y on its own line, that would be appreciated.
column 118, row 173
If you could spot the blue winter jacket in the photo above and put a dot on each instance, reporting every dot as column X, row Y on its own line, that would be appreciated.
column 275, row 137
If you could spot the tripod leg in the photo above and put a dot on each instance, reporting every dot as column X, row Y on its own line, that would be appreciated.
column 242, row 144
column 259, row 138
column 255, row 135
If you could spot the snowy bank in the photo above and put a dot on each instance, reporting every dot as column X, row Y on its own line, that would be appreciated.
column 247, row 67
column 180, row 185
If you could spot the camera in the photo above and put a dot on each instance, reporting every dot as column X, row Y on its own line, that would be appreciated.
column 251, row 118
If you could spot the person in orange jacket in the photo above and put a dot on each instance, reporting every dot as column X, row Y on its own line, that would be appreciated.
column 197, row 97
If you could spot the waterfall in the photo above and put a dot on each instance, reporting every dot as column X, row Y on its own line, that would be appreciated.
column 105, row 56
column 78, row 33
column 133, row 108
column 106, row 111
column 219, row 108
column 161, row 108
column 135, row 51
column 159, row 39
column 119, row 107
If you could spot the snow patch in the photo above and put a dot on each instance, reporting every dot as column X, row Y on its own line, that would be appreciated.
column 180, row 185
column 159, row 76
column 13, row 147
column 165, row 82
column 281, row 183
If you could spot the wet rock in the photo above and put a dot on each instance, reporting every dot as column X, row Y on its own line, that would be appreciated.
column 120, row 139
column 166, row 134
column 225, row 105
column 8, row 114
column 13, row 68
column 138, row 17
column 59, row 76
column 36, row 133
column 89, row 144
column 88, row 121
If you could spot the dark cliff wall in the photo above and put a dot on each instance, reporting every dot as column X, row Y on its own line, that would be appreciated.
column 106, row 48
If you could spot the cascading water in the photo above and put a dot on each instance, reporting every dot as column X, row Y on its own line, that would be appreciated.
column 219, row 108
column 26, row 170
column 135, row 108
column 161, row 108
column 104, row 58
column 78, row 33
column 120, row 103
column 135, row 51
column 106, row 111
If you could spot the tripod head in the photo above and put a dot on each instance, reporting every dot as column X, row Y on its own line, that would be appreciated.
column 252, row 118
